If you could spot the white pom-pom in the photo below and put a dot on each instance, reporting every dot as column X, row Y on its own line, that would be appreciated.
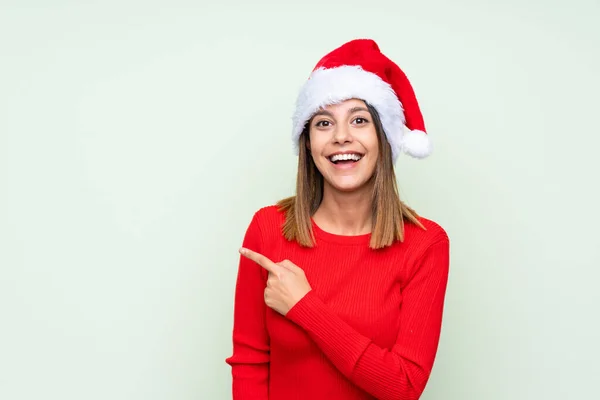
column 417, row 144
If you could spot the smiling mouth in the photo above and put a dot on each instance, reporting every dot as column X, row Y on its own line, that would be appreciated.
column 349, row 158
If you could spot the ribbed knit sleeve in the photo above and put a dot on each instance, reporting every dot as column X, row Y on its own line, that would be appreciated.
column 403, row 371
column 250, row 359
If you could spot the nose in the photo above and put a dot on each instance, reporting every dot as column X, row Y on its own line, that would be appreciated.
column 342, row 134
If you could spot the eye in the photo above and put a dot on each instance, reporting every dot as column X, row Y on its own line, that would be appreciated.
column 360, row 120
column 322, row 123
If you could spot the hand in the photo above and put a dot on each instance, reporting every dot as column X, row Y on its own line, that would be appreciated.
column 286, row 285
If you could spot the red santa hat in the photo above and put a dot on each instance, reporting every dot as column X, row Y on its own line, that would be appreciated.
column 359, row 70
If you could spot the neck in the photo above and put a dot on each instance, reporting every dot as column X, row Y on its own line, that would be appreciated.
column 343, row 213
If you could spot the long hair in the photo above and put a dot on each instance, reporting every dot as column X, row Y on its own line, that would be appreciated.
column 389, row 213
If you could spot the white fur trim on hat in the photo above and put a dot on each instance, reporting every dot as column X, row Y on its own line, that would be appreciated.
column 334, row 85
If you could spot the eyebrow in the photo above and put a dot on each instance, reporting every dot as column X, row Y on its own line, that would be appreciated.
column 355, row 109
column 350, row 111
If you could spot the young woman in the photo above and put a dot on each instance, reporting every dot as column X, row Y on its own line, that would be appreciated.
column 340, row 289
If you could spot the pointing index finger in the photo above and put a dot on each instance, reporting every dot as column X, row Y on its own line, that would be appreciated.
column 259, row 259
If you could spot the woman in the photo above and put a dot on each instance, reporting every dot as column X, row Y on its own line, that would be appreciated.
column 340, row 289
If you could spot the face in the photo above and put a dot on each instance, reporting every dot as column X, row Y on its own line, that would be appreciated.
column 344, row 146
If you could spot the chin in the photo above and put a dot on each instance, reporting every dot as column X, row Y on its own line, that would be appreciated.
column 348, row 187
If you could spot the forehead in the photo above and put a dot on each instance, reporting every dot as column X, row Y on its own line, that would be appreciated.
column 344, row 106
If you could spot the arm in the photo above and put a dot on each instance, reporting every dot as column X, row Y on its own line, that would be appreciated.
column 403, row 371
column 250, row 359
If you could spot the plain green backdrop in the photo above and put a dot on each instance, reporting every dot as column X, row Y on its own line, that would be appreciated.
column 138, row 138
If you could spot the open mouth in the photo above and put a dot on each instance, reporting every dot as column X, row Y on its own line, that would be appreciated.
column 349, row 158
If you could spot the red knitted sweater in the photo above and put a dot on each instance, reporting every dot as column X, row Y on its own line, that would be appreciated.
column 369, row 328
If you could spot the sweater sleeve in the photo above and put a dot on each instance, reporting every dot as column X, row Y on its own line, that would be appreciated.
column 250, row 359
column 402, row 371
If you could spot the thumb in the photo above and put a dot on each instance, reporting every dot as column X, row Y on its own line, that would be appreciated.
column 287, row 264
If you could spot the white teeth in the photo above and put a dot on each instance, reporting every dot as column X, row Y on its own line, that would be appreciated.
column 340, row 157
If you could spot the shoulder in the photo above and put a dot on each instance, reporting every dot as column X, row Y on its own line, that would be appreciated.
column 431, row 243
column 434, row 229
column 266, row 228
column 421, row 238
column 269, row 214
column 269, row 219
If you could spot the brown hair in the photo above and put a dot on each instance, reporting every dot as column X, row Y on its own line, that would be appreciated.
column 389, row 213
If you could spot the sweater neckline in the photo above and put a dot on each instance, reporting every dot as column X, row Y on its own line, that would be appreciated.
column 362, row 239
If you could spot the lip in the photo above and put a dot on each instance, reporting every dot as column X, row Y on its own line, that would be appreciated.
column 345, row 166
column 348, row 165
column 345, row 152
